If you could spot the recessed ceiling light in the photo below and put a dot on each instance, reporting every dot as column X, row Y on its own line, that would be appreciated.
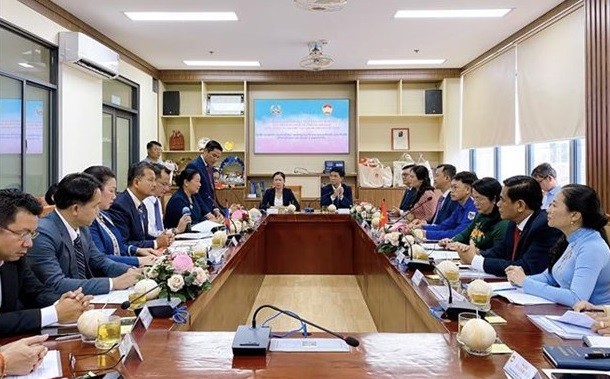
column 451, row 13
column 26, row 65
column 401, row 62
column 182, row 16
column 223, row 63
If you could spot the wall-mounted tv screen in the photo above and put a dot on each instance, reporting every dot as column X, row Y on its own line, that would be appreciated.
column 301, row 126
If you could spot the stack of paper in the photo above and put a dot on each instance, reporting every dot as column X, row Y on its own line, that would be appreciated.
column 113, row 297
column 521, row 298
column 564, row 330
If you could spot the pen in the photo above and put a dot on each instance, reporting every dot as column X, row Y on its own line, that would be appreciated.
column 597, row 355
column 68, row 337
column 595, row 310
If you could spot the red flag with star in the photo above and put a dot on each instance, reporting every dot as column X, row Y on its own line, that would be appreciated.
column 383, row 219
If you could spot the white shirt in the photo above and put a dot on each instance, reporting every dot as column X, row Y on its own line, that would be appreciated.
column 477, row 261
column 149, row 203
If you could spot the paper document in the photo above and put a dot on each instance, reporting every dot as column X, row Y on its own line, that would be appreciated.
column 114, row 297
column 521, row 298
column 192, row 236
column 597, row 341
column 576, row 318
column 317, row 345
column 49, row 368
column 566, row 331
column 442, row 293
column 442, row 255
column 469, row 273
column 205, row 227
column 502, row 286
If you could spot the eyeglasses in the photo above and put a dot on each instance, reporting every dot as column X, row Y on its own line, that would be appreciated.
column 23, row 236
column 100, row 366
column 539, row 179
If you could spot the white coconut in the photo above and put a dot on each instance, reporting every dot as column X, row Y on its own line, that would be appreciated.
column 219, row 238
column 332, row 208
column 145, row 285
column 419, row 252
column 291, row 208
column 479, row 286
column 477, row 334
column 88, row 321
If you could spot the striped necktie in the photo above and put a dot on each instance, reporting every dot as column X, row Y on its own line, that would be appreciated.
column 81, row 264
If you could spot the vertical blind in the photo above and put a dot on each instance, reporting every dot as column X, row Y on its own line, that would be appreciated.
column 488, row 117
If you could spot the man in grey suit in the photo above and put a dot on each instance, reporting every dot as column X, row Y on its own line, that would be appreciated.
column 63, row 256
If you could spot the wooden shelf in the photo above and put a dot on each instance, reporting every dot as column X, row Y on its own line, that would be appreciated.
column 364, row 116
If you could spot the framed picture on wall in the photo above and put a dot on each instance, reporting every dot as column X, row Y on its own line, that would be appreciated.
column 400, row 139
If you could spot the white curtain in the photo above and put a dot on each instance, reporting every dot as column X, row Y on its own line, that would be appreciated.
column 488, row 117
column 551, row 81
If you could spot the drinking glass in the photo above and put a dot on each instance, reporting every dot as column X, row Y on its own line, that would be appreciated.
column 108, row 332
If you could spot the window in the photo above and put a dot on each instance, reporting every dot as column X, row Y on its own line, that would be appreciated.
column 28, row 73
column 484, row 162
column 567, row 158
column 119, row 127
column 555, row 153
column 511, row 161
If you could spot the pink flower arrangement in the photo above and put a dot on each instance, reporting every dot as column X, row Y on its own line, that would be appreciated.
column 182, row 263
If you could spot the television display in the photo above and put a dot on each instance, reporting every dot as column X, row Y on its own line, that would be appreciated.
column 10, row 126
column 301, row 126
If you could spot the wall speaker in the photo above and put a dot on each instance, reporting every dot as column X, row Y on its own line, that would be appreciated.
column 434, row 101
column 171, row 103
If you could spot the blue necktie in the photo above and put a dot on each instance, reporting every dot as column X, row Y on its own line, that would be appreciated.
column 158, row 221
column 80, row 258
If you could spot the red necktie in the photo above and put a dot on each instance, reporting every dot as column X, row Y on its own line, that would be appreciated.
column 516, row 237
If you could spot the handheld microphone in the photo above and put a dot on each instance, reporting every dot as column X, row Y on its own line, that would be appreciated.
column 253, row 340
column 453, row 309
column 187, row 211
column 415, row 208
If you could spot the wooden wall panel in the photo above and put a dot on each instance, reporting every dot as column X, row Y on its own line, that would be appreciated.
column 597, row 25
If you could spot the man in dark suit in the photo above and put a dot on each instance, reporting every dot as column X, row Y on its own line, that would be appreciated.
column 63, row 256
column 408, row 196
column 528, row 237
column 443, row 175
column 25, row 304
column 204, row 164
column 336, row 193
column 129, row 213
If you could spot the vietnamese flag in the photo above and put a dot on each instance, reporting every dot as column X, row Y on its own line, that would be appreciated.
column 383, row 219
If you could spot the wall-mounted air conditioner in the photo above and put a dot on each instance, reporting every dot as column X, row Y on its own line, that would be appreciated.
column 84, row 52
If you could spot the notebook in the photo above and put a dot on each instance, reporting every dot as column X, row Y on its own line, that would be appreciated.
column 574, row 357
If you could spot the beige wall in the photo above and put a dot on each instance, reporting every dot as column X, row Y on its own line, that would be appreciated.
column 80, row 97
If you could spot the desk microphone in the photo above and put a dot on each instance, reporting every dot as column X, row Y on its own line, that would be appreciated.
column 254, row 340
column 414, row 208
column 187, row 211
column 309, row 208
column 453, row 309
column 162, row 308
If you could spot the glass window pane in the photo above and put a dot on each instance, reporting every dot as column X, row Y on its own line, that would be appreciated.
column 117, row 93
column 484, row 162
column 555, row 153
column 10, row 132
column 24, row 57
column 37, row 155
column 107, row 140
column 581, row 161
column 123, row 142
column 512, row 161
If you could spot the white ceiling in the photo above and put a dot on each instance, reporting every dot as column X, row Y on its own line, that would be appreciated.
column 276, row 32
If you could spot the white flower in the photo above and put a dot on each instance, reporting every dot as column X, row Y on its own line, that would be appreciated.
column 358, row 208
column 377, row 214
column 175, row 283
column 364, row 215
column 368, row 208
column 392, row 238
column 375, row 222
column 201, row 276
column 151, row 272
column 408, row 239
column 291, row 208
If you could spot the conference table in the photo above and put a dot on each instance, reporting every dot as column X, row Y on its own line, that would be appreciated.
column 411, row 341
